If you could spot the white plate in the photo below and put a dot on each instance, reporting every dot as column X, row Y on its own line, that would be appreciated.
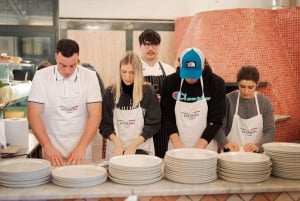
column 136, row 161
column 81, row 172
column 283, row 157
column 285, row 147
column 26, row 165
column 79, row 184
column 245, row 167
column 133, row 176
column 244, row 176
column 244, row 157
column 191, row 154
column 190, row 180
column 191, row 163
column 135, row 171
column 244, row 171
column 192, row 175
column 25, row 177
column 286, row 174
column 26, row 184
column 134, row 182
column 248, row 180
column 33, row 181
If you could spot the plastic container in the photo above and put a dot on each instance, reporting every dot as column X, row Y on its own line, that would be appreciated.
column 4, row 73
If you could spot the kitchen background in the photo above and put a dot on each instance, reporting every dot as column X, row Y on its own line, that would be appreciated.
column 231, row 33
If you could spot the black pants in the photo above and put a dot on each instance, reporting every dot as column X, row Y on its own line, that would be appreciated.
column 161, row 141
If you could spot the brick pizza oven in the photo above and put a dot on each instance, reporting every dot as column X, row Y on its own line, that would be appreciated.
column 268, row 39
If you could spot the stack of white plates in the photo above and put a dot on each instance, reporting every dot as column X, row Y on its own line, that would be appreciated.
column 285, row 159
column 190, row 165
column 135, row 169
column 26, row 172
column 244, row 167
column 79, row 176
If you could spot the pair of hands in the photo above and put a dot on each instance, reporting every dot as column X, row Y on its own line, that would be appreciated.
column 119, row 150
column 248, row 147
column 177, row 144
column 131, row 149
column 75, row 157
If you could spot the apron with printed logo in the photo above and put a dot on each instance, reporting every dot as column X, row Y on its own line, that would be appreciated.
column 67, row 118
column 246, row 130
column 129, row 124
column 191, row 120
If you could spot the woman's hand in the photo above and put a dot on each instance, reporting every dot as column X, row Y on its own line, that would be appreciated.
column 118, row 150
column 118, row 147
column 250, row 147
column 131, row 149
column 232, row 146
column 201, row 144
column 176, row 142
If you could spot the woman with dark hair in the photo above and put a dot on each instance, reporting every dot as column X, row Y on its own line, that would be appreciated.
column 249, row 120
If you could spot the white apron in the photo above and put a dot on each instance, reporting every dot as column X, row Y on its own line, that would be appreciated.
column 191, row 120
column 246, row 130
column 67, row 117
column 129, row 124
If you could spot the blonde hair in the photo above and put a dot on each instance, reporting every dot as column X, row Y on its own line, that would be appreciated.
column 137, row 94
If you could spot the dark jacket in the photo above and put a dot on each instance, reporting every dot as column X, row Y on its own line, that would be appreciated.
column 214, row 89
column 149, row 103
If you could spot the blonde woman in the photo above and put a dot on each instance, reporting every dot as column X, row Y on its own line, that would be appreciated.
column 131, row 111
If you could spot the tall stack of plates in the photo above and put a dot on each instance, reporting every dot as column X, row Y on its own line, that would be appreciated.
column 79, row 176
column 285, row 159
column 190, row 165
column 135, row 169
column 26, row 172
column 244, row 167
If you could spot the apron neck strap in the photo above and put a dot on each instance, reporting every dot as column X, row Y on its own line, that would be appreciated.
column 238, row 101
column 201, row 82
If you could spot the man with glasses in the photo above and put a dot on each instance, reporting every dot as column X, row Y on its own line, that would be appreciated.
column 154, row 71
column 65, row 107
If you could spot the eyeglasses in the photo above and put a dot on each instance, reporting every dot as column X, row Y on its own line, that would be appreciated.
column 148, row 45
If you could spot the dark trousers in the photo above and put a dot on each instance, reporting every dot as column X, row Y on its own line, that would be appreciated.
column 161, row 141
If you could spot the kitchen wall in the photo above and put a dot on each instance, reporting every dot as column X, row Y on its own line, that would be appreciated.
column 155, row 9
column 99, row 42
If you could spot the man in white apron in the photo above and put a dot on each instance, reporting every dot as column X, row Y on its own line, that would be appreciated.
column 195, row 98
column 155, row 71
column 64, row 107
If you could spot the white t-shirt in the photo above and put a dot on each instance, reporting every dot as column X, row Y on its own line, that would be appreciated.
column 46, row 79
column 155, row 69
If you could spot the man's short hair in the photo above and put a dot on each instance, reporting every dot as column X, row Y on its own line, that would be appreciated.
column 151, row 36
column 67, row 47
